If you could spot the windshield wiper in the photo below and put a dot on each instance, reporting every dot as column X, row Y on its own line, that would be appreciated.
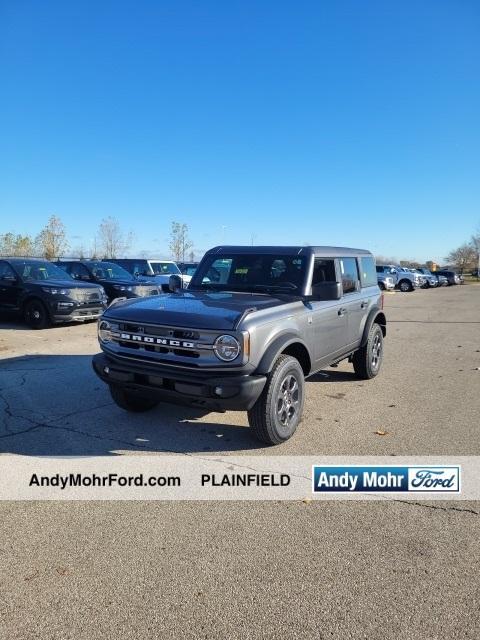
column 285, row 287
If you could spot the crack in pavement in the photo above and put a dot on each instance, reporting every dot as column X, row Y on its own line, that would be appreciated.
column 436, row 507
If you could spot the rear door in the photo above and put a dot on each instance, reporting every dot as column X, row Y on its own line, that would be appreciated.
column 354, row 300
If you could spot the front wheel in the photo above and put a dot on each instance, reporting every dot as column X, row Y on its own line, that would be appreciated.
column 367, row 361
column 405, row 285
column 130, row 401
column 277, row 413
column 36, row 315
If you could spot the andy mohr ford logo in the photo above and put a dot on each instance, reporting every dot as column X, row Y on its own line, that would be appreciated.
column 359, row 478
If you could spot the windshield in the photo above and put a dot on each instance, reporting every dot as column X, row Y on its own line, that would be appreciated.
column 251, row 272
column 164, row 268
column 109, row 271
column 40, row 270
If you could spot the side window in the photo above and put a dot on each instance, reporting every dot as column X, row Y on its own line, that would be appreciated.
column 219, row 271
column 323, row 271
column 349, row 271
column 368, row 273
column 6, row 272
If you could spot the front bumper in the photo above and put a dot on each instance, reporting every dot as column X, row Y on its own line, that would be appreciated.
column 75, row 312
column 232, row 392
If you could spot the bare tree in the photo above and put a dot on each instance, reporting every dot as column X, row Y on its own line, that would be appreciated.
column 475, row 242
column 179, row 243
column 462, row 257
column 52, row 239
column 113, row 241
column 191, row 256
column 16, row 245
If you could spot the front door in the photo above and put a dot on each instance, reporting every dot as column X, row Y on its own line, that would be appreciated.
column 9, row 288
column 328, row 318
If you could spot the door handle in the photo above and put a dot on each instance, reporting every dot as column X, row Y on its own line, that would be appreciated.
column 342, row 311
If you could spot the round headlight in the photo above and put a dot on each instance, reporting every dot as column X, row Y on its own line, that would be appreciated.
column 104, row 331
column 226, row 348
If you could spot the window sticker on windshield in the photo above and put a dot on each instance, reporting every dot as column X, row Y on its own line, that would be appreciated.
column 242, row 270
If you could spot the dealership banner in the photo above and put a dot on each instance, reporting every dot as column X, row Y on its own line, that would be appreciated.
column 217, row 477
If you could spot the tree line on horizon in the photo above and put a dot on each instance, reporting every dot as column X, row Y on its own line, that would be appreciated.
column 110, row 242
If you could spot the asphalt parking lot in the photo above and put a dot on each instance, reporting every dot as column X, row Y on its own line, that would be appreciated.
column 263, row 570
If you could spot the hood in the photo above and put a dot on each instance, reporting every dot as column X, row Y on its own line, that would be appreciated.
column 65, row 284
column 198, row 310
column 128, row 283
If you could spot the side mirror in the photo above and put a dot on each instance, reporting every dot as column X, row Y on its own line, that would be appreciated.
column 175, row 283
column 327, row 291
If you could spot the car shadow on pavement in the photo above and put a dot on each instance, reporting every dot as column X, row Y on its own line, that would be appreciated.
column 332, row 375
column 54, row 405
column 13, row 323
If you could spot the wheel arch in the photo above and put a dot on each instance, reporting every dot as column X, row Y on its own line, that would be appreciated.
column 376, row 316
column 32, row 297
column 290, row 345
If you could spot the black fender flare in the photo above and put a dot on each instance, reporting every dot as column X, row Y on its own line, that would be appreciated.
column 375, row 315
column 278, row 346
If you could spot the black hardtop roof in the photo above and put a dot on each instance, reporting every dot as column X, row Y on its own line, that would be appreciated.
column 322, row 251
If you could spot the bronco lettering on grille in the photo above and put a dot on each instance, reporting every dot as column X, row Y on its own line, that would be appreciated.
column 167, row 342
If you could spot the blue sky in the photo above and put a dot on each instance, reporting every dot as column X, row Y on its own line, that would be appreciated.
column 346, row 122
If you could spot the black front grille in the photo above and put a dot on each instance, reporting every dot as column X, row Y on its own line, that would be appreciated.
column 86, row 296
column 167, row 332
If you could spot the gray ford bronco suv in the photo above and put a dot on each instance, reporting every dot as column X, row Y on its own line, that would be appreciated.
column 253, row 323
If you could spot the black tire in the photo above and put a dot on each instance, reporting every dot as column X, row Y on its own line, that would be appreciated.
column 130, row 401
column 278, row 411
column 35, row 314
column 367, row 361
column 405, row 285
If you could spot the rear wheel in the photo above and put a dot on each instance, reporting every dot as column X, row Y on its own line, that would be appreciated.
column 131, row 401
column 36, row 315
column 367, row 361
column 277, row 413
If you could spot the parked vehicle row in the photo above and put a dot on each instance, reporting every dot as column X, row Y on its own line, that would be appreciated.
column 403, row 279
column 45, row 293
column 406, row 279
